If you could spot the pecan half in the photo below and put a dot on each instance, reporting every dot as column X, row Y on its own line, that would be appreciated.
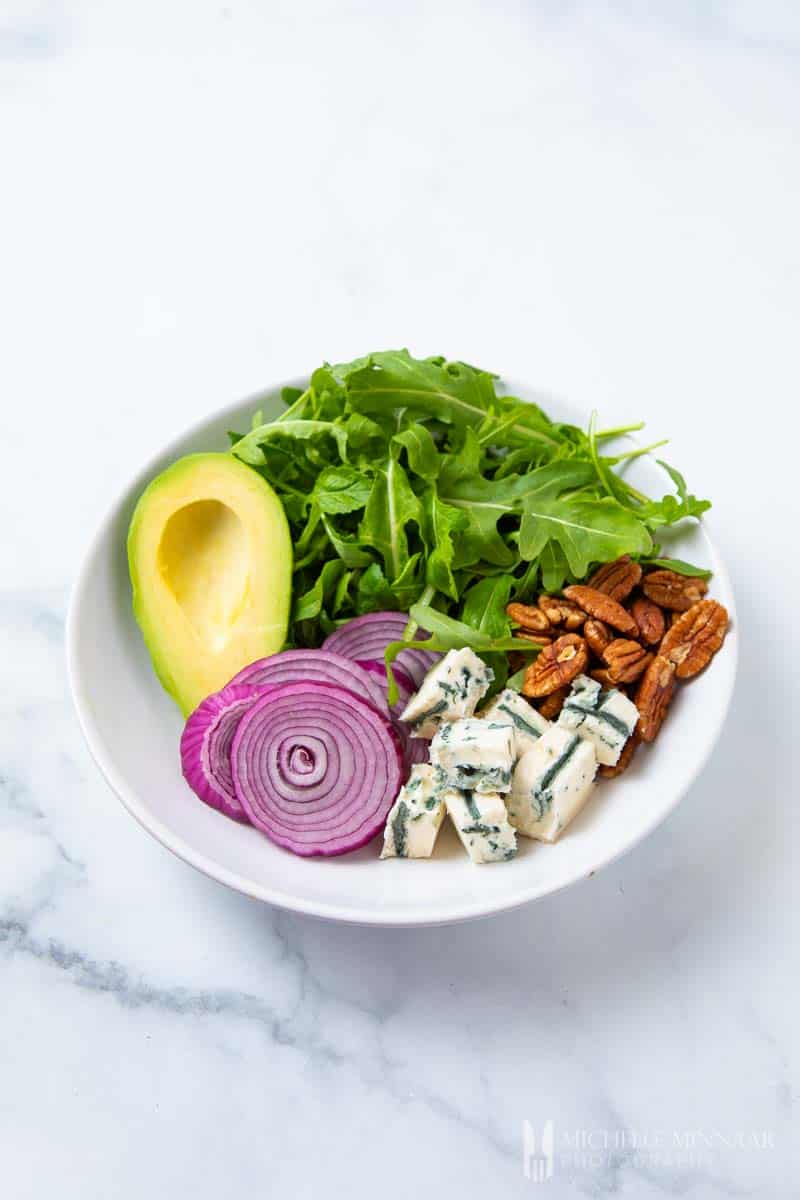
column 557, row 665
column 650, row 619
column 617, row 579
column 528, row 617
column 603, row 677
column 560, row 612
column 598, row 604
column 536, row 638
column 695, row 638
column 653, row 697
column 551, row 706
column 626, row 660
column 624, row 760
column 673, row 591
column 597, row 635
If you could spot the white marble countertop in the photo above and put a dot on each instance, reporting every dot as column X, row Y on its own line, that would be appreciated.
column 201, row 197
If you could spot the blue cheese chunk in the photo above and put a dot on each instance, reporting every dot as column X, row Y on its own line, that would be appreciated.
column 482, row 824
column 606, row 719
column 509, row 708
column 416, row 815
column 551, row 784
column 474, row 754
column 450, row 690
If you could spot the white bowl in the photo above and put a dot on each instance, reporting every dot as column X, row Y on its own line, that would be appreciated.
column 133, row 730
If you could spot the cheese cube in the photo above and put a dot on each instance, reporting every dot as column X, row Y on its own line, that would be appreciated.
column 474, row 754
column 606, row 719
column 509, row 708
column 450, row 690
column 551, row 784
column 416, row 815
column 482, row 824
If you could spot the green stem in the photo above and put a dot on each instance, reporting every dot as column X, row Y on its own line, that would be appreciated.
column 632, row 491
column 618, row 431
column 618, row 458
column 297, row 406
column 412, row 626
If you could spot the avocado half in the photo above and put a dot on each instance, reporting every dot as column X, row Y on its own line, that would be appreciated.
column 210, row 561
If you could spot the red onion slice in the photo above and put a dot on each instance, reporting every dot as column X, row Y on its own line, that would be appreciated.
column 405, row 684
column 367, row 638
column 316, row 768
column 314, row 666
column 415, row 749
column 206, row 746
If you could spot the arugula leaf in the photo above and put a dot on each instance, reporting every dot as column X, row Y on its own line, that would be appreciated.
column 351, row 552
column 678, row 566
column 373, row 591
column 423, row 457
column 440, row 523
column 391, row 506
column 485, row 606
column 248, row 448
column 341, row 489
column 310, row 604
column 392, row 379
column 670, row 510
column 587, row 530
column 457, row 633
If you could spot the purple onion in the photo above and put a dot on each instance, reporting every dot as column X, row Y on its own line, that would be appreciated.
column 206, row 746
column 320, row 666
column 405, row 684
column 316, row 767
column 367, row 638
column 415, row 749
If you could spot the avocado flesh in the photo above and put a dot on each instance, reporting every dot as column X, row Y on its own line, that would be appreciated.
column 210, row 561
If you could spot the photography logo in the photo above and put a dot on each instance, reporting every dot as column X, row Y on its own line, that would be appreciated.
column 538, row 1153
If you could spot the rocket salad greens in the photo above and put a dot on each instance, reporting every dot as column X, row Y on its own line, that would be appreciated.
column 412, row 484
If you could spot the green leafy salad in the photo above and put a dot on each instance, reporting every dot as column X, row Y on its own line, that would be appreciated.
column 415, row 485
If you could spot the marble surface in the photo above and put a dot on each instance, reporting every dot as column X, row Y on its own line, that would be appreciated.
column 201, row 197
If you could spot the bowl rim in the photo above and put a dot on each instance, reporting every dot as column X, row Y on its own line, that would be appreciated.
column 345, row 914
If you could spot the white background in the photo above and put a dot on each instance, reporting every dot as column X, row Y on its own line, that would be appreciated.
column 199, row 198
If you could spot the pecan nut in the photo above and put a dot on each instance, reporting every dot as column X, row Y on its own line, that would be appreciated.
column 557, row 665
column 626, row 660
column 528, row 617
column 603, row 677
column 650, row 619
column 653, row 697
column 695, row 638
column 624, row 760
column 551, row 706
column 617, row 579
column 673, row 591
column 599, row 605
column 597, row 636
column 560, row 612
column 535, row 638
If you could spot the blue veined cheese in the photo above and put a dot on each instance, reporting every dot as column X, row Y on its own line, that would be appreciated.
column 528, row 725
column 475, row 754
column 551, row 784
column 450, row 690
column 416, row 815
column 482, row 824
column 606, row 719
